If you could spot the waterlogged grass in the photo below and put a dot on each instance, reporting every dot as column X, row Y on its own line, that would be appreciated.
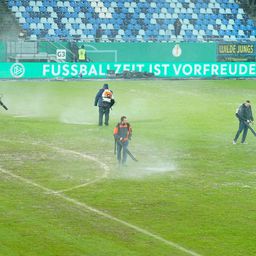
column 191, row 186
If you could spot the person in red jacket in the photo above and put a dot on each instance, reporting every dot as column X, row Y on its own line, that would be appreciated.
column 122, row 135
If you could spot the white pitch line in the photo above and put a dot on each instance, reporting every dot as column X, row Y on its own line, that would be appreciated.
column 92, row 158
column 82, row 155
column 101, row 213
column 79, row 186
column 22, row 116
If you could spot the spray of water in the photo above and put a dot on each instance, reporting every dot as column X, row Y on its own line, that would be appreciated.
column 78, row 114
column 43, row 103
column 27, row 105
column 150, row 163
column 143, row 170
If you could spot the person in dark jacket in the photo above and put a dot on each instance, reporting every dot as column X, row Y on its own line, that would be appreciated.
column 122, row 135
column 105, row 100
column 245, row 117
column 177, row 27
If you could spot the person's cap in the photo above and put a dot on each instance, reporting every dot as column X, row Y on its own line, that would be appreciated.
column 122, row 118
column 105, row 86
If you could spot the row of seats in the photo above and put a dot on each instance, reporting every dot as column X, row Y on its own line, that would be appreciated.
column 131, row 9
column 139, row 28
column 133, row 19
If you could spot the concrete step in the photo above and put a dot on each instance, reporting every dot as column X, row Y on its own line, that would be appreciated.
column 9, row 26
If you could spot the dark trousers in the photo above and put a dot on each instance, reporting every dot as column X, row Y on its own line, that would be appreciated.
column 103, row 111
column 177, row 31
column 242, row 128
column 119, row 147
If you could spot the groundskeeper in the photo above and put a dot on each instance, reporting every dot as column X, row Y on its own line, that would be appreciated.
column 2, row 104
column 105, row 100
column 245, row 117
column 122, row 135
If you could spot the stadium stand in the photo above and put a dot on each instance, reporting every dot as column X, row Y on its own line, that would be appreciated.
column 133, row 20
column 9, row 27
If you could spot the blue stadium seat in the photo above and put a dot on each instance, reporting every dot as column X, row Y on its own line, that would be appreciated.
column 151, row 18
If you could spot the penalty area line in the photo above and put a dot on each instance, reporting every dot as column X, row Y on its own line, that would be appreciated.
column 72, row 152
column 101, row 213
column 85, row 156
column 79, row 186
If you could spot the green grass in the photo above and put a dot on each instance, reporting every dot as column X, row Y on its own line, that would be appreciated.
column 191, row 186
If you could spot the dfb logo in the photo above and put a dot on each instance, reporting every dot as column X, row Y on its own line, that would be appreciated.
column 17, row 70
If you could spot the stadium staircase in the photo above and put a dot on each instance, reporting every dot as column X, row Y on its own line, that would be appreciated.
column 9, row 26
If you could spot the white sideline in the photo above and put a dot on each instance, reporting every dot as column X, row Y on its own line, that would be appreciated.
column 101, row 213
